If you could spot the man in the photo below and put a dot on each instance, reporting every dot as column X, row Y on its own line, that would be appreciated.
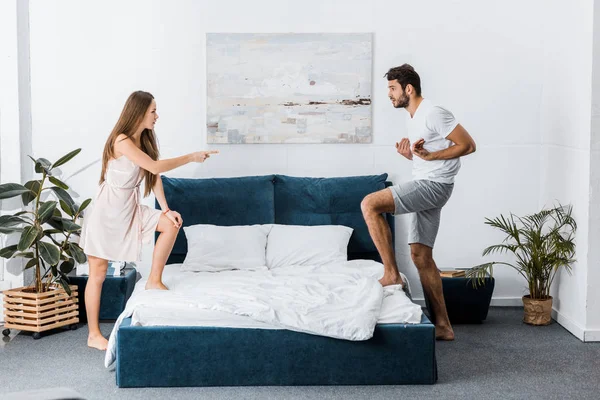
column 435, row 143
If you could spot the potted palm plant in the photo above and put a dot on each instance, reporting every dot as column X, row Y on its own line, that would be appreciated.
column 46, row 242
column 542, row 243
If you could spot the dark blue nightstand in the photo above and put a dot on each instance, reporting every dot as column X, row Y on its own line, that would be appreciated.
column 464, row 303
column 116, row 290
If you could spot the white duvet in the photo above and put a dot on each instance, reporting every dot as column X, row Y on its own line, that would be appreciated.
column 342, row 300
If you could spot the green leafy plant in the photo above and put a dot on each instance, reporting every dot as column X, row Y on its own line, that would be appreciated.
column 45, row 232
column 542, row 243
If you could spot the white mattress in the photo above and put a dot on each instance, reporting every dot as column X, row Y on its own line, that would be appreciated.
column 342, row 300
column 396, row 306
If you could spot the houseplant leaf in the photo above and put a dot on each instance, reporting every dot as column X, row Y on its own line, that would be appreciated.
column 58, row 182
column 7, row 221
column 66, row 158
column 67, row 266
column 8, row 190
column 65, row 207
column 34, row 189
column 26, row 254
column 8, row 251
column 8, row 231
column 42, row 165
column 44, row 254
column 70, row 226
column 31, row 263
column 541, row 244
column 49, row 252
column 46, row 211
column 56, row 222
column 63, row 195
column 84, row 205
column 28, row 237
column 63, row 224
column 50, row 233
column 9, row 224
column 65, row 285
column 77, row 253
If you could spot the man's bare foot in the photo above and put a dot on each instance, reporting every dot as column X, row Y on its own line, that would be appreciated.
column 155, row 286
column 444, row 333
column 97, row 342
column 389, row 279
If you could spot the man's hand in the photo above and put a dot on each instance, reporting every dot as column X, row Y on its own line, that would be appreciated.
column 403, row 148
column 420, row 151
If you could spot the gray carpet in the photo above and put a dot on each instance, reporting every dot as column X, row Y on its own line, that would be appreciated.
column 500, row 359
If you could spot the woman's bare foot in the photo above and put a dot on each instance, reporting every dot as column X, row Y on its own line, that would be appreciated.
column 97, row 342
column 445, row 333
column 155, row 286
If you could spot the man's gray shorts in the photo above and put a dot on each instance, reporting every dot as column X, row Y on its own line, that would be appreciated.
column 423, row 200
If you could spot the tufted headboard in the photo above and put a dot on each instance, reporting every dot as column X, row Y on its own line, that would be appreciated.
column 275, row 199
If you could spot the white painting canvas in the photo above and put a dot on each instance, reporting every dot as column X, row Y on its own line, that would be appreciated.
column 289, row 88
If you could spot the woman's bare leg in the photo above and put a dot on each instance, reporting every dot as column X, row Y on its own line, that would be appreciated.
column 93, row 290
column 162, row 249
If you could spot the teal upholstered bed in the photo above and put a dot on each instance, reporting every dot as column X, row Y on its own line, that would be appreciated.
column 211, row 356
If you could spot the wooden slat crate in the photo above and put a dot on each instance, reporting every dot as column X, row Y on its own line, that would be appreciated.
column 39, row 312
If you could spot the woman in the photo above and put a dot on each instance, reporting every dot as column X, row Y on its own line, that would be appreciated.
column 117, row 225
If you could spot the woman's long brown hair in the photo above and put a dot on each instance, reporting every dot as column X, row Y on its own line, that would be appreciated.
column 131, row 117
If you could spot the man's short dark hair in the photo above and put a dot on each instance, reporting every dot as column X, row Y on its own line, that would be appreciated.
column 405, row 75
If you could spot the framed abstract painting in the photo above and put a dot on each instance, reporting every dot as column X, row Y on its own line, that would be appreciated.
column 289, row 87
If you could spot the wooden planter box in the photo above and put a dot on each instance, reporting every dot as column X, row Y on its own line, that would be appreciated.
column 39, row 312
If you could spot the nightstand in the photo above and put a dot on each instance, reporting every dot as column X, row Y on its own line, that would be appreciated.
column 464, row 303
column 116, row 290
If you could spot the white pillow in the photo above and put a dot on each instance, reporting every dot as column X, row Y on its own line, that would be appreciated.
column 220, row 248
column 307, row 245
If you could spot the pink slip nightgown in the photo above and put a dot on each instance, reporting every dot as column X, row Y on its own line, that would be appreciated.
column 117, row 224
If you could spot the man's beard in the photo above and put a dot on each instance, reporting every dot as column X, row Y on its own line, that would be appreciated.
column 402, row 102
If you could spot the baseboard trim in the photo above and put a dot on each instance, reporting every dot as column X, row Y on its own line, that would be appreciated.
column 569, row 325
column 496, row 302
column 506, row 302
column 592, row 335
column 585, row 335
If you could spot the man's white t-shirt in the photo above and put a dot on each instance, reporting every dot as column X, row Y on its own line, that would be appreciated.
column 432, row 123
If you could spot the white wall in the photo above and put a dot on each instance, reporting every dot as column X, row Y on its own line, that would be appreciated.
column 87, row 57
column 15, row 118
column 565, row 127
column 9, row 118
column 593, row 300
column 9, row 109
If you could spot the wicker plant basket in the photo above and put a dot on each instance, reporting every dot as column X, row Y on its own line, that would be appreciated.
column 537, row 312
column 26, row 310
